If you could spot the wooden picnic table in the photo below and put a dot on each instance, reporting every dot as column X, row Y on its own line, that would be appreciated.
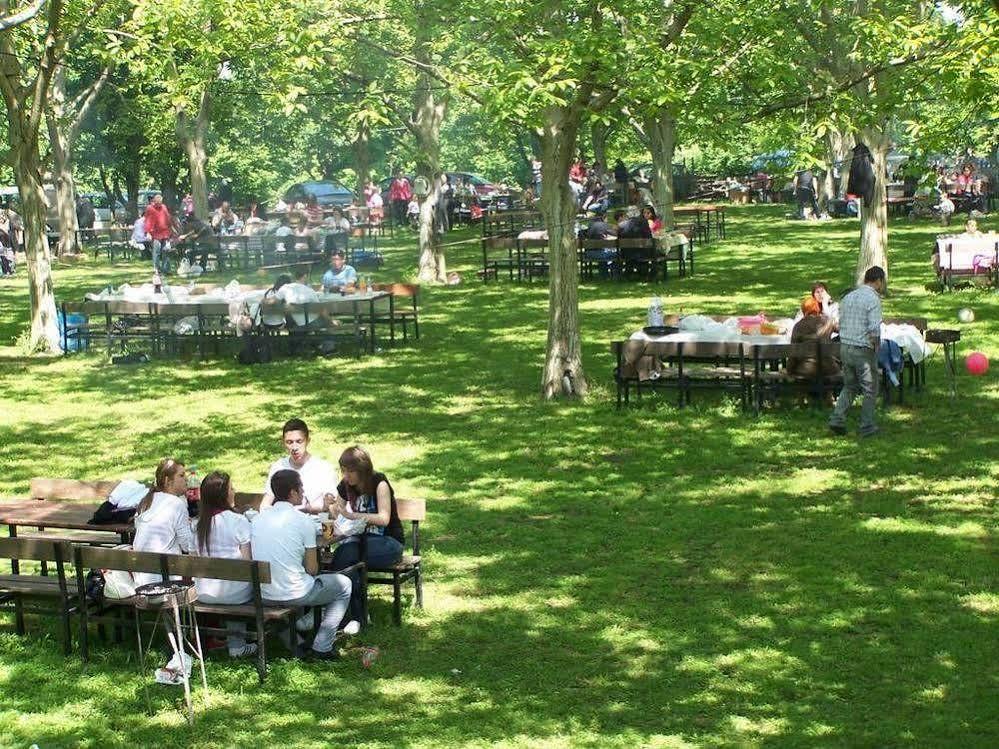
column 706, row 210
column 62, row 514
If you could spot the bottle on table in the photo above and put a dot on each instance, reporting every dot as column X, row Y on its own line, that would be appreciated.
column 656, row 312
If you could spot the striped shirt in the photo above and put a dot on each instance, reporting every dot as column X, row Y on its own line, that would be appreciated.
column 860, row 317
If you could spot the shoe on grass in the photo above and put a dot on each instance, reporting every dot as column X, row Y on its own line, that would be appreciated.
column 838, row 429
column 351, row 628
column 870, row 432
column 322, row 655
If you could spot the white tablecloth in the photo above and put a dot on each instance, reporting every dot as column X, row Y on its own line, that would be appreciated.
column 701, row 329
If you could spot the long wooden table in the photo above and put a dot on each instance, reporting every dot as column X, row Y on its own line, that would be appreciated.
column 61, row 514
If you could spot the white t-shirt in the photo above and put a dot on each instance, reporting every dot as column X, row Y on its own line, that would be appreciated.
column 318, row 479
column 298, row 293
column 165, row 528
column 229, row 531
column 280, row 535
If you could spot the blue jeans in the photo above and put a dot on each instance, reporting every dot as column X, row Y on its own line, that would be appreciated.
column 860, row 375
column 383, row 551
column 332, row 592
column 160, row 262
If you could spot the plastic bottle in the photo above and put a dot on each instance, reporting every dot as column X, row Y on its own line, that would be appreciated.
column 193, row 485
column 656, row 312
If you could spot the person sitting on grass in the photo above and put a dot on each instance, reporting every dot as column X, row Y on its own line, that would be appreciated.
column 365, row 503
column 813, row 326
column 339, row 274
column 286, row 539
column 162, row 524
column 221, row 533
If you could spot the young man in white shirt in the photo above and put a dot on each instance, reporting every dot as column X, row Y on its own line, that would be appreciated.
column 319, row 479
column 286, row 539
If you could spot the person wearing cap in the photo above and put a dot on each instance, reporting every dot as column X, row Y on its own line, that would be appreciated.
column 339, row 273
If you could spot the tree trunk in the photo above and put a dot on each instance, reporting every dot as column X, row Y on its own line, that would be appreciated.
column 60, row 141
column 362, row 156
column 65, row 188
column 874, row 216
column 429, row 111
column 563, row 373
column 842, row 144
column 197, row 161
column 44, row 327
column 192, row 138
column 599, row 134
column 661, row 133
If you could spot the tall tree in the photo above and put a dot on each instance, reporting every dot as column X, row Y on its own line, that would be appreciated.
column 551, row 64
column 64, row 117
column 25, row 92
column 187, row 46
column 862, row 63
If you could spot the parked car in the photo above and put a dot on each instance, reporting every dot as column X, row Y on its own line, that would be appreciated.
column 327, row 193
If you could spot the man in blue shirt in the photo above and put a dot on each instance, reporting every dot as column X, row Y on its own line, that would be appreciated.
column 339, row 274
column 860, row 335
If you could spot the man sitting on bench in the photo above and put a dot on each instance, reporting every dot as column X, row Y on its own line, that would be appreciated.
column 286, row 539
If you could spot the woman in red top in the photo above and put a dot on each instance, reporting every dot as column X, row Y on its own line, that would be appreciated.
column 160, row 229
column 400, row 194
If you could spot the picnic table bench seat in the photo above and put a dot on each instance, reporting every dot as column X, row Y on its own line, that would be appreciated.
column 20, row 591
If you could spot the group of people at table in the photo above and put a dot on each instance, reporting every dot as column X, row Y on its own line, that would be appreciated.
column 159, row 231
column 300, row 488
column 856, row 321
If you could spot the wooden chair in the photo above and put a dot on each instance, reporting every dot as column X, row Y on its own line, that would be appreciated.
column 401, row 292
column 410, row 566
column 532, row 258
column 498, row 253
column 15, row 587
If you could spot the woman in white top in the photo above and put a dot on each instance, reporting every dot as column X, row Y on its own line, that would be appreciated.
column 221, row 533
column 162, row 524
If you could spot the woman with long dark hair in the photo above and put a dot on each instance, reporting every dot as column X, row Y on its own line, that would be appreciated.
column 366, row 504
column 221, row 533
column 162, row 524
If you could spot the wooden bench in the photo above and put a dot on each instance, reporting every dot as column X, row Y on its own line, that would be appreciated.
column 754, row 371
column 52, row 589
column 265, row 618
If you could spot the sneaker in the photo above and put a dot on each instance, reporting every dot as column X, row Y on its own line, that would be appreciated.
column 352, row 628
column 246, row 651
column 837, row 429
column 323, row 655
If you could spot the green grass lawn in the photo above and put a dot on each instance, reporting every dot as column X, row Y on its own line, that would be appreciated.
column 650, row 577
